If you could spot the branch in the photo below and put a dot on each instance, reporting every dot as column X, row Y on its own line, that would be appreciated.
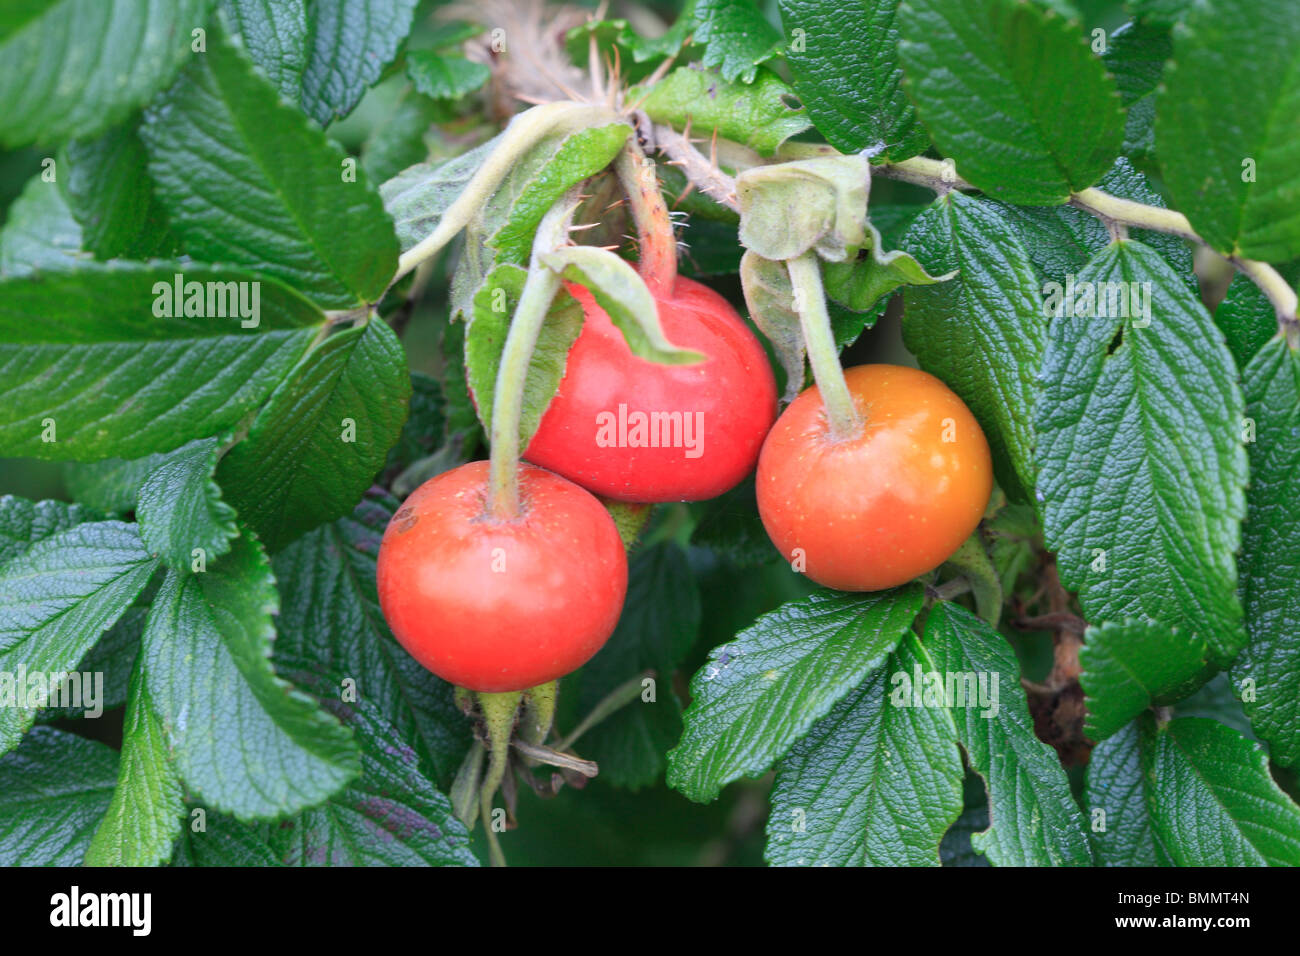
column 1116, row 212
column 701, row 173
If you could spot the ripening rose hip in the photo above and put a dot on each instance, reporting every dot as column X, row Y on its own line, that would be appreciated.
column 875, row 510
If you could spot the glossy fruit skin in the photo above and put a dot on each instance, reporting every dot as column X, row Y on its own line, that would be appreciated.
column 876, row 510
column 509, row 619
column 729, row 401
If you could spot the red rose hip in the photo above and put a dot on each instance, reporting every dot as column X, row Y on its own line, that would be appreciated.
column 494, row 604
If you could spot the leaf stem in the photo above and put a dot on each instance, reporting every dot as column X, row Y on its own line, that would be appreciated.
column 810, row 303
column 658, row 243
column 1115, row 211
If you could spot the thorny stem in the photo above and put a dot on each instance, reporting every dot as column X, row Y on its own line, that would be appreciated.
column 1116, row 213
column 810, row 303
column 654, row 227
column 701, row 172
column 508, row 395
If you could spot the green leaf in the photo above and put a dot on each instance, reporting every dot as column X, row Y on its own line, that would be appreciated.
column 553, row 152
column 1217, row 700
column 19, row 13
column 245, row 741
column 769, row 296
column 660, row 621
column 1061, row 239
column 275, row 34
column 849, row 77
column 144, row 817
column 619, row 289
column 1117, row 800
column 1235, row 171
column 323, row 436
column 1014, row 540
column 444, row 77
column 638, row 55
column 425, row 430
column 329, row 615
column 1211, row 799
column 485, row 340
column 1035, row 821
column 121, row 53
column 764, row 690
column 730, row 526
column 40, row 232
column 113, row 656
column 418, row 196
column 351, row 43
column 392, row 815
column 225, row 841
column 58, row 595
column 397, row 142
column 53, row 791
column 180, row 508
column 1160, row 12
column 580, row 155
column 1013, row 93
column 789, row 208
column 736, row 37
column 1152, row 535
column 1132, row 666
column 23, row 523
column 983, row 332
column 1270, row 551
column 86, row 354
column 760, row 114
column 111, row 195
column 876, row 782
column 864, row 284
column 1136, row 55
column 111, row 485
column 955, row 848
column 273, row 199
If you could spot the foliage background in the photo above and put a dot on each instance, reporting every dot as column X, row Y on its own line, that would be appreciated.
column 645, row 822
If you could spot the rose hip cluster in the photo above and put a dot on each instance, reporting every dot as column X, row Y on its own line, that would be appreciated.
column 496, row 605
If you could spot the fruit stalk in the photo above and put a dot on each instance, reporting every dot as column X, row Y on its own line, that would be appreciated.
column 815, row 321
column 658, row 244
column 517, row 355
